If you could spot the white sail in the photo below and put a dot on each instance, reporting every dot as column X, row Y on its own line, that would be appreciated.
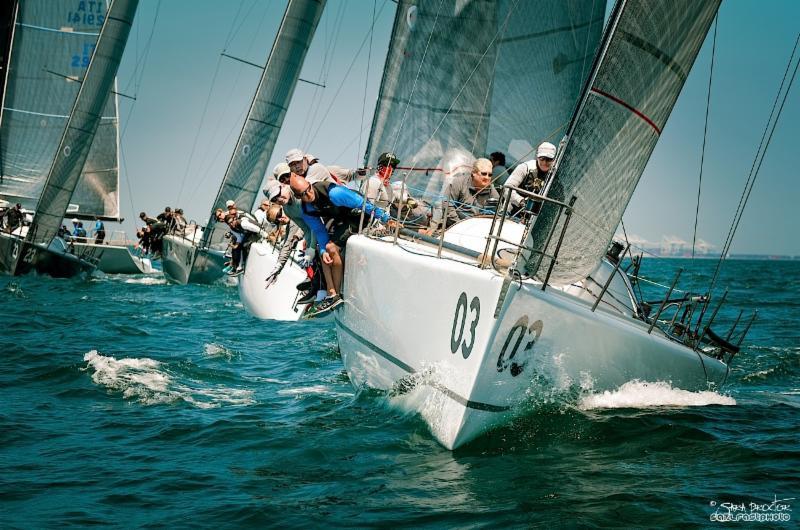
column 645, row 61
column 52, row 44
column 84, row 119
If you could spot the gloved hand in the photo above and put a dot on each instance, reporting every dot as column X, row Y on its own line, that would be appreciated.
column 273, row 276
column 308, row 258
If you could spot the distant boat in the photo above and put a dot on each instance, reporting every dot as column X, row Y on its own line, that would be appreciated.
column 199, row 256
column 51, row 112
column 499, row 313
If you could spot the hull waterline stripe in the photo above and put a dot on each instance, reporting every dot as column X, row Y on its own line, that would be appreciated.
column 477, row 405
column 630, row 108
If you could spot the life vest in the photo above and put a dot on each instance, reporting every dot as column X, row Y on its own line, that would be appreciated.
column 325, row 207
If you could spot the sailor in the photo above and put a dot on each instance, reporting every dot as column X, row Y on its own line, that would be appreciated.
column 14, row 217
column 377, row 188
column 292, row 236
column 180, row 221
column 499, row 168
column 298, row 165
column 532, row 175
column 78, row 232
column 469, row 194
column 340, row 206
column 281, row 195
column 260, row 213
column 147, row 220
column 99, row 231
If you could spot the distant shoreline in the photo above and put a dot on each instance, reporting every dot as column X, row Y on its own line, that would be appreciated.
column 759, row 257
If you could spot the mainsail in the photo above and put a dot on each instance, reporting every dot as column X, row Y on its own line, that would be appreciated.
column 254, row 147
column 97, row 192
column 647, row 54
column 84, row 120
column 463, row 78
column 52, row 44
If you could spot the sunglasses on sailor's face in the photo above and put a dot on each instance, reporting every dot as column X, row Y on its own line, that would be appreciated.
column 545, row 159
column 284, row 179
column 303, row 193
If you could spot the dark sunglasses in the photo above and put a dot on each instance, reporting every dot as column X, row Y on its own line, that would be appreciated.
column 545, row 159
column 485, row 174
column 284, row 179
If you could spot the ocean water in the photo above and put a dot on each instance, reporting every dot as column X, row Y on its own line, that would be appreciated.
column 128, row 402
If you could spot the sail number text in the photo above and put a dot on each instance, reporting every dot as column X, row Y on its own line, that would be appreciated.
column 521, row 331
column 460, row 323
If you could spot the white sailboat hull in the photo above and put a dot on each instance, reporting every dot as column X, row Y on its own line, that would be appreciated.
column 118, row 259
column 432, row 328
column 184, row 263
column 279, row 301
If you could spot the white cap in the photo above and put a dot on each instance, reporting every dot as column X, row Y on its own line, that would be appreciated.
column 546, row 149
column 281, row 169
column 310, row 158
column 294, row 155
column 229, row 203
column 74, row 221
column 272, row 190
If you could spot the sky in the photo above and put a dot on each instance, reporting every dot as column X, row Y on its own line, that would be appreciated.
column 179, row 133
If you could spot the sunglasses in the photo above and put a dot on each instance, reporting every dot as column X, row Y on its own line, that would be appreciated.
column 484, row 173
column 284, row 179
column 302, row 193
column 545, row 159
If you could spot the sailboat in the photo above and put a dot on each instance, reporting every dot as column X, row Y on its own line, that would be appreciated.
column 199, row 257
column 51, row 112
column 505, row 312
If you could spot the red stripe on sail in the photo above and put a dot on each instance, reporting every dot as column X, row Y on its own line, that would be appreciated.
column 630, row 108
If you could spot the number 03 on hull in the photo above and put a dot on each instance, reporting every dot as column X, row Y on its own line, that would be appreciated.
column 435, row 337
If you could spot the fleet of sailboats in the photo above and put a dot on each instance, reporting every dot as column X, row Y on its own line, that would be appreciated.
column 58, row 82
column 506, row 309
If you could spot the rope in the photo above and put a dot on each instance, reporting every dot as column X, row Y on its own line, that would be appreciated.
column 754, row 169
column 705, row 134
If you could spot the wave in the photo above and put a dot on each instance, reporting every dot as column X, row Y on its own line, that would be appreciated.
column 149, row 382
column 315, row 389
column 147, row 280
column 638, row 394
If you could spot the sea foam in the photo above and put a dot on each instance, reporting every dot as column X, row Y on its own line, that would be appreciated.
column 149, row 382
column 637, row 394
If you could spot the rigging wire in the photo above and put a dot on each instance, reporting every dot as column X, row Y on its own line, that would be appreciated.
column 203, row 115
column 366, row 81
column 759, row 159
column 136, row 79
column 344, row 78
column 705, row 133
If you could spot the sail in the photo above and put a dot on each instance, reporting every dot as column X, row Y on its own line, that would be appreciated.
column 437, row 76
column 52, row 43
column 97, row 192
column 540, row 71
column 646, row 57
column 254, row 147
column 463, row 78
column 84, row 120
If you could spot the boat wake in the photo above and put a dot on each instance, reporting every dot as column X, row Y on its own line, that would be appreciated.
column 637, row 395
column 148, row 280
column 149, row 382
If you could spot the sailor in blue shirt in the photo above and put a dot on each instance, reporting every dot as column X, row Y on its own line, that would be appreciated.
column 323, row 202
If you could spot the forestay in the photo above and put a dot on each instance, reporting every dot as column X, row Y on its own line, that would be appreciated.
column 52, row 44
column 256, row 142
column 646, row 57
column 463, row 78
column 84, row 120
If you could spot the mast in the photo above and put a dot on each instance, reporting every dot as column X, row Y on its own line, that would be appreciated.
column 8, row 41
column 83, row 121
column 255, row 144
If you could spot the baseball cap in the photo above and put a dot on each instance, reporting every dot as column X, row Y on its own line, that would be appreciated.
column 546, row 150
column 294, row 155
column 388, row 159
column 229, row 203
column 272, row 190
column 281, row 169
